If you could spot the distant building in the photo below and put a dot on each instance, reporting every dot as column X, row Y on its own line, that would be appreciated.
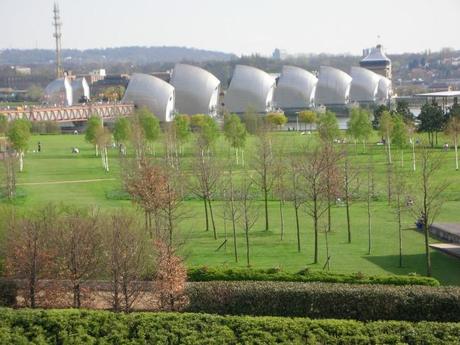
column 376, row 61
column 279, row 54
column 22, row 70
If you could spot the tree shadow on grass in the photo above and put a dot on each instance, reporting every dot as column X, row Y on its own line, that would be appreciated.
column 445, row 268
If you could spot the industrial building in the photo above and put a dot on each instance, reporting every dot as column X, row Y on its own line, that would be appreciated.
column 333, row 87
column 59, row 92
column 197, row 90
column 250, row 88
column 295, row 89
column 153, row 93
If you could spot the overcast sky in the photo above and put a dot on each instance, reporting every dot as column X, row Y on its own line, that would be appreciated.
column 236, row 26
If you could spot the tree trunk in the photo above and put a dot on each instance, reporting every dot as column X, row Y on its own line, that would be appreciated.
column 315, row 225
column 76, row 295
column 247, row 245
column 281, row 219
column 296, row 208
column 21, row 161
column 206, row 213
column 400, row 230
column 413, row 154
column 389, row 149
column 266, row 206
column 456, row 153
column 212, row 219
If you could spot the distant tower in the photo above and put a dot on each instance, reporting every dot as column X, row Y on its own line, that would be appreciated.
column 376, row 61
column 57, row 35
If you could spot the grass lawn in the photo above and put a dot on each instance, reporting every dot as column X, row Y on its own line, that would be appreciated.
column 57, row 175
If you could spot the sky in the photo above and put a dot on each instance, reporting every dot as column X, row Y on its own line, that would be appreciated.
column 236, row 26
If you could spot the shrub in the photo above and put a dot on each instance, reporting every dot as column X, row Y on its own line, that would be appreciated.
column 91, row 327
column 8, row 293
column 275, row 274
column 321, row 300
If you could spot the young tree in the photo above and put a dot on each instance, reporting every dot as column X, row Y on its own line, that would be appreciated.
column 251, row 121
column 399, row 135
column 276, row 119
column 29, row 255
column 207, row 129
column 332, row 178
column 386, row 129
column 328, row 127
column 247, row 209
column 402, row 108
column 279, row 171
column 398, row 205
column 235, row 133
column 308, row 117
column 170, row 278
column 92, row 126
column 78, row 244
column 453, row 130
column 359, row 125
column 125, row 259
column 262, row 163
column 428, row 199
column 150, row 126
column 411, row 131
column 432, row 121
column 182, row 129
column 378, row 112
column 296, row 195
column 18, row 135
column 231, row 209
column 369, row 197
column 314, row 168
column 9, row 163
column 205, row 181
column 122, row 133
column 103, row 139
column 350, row 174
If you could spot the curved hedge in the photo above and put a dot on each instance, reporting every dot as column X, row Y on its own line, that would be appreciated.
column 96, row 327
column 322, row 300
column 240, row 274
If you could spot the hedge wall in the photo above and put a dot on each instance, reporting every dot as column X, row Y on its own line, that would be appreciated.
column 239, row 274
column 91, row 327
column 322, row 300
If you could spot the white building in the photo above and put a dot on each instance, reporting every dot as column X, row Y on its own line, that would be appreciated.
column 333, row 87
column 197, row 90
column 80, row 89
column 153, row 93
column 250, row 88
column 59, row 92
column 295, row 89
column 364, row 85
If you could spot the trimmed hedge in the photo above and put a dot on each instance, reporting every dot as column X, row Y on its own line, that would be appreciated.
column 322, row 300
column 96, row 327
column 239, row 274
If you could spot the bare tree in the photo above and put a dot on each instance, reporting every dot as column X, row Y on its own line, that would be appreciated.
column 247, row 209
column 314, row 167
column 369, row 197
column 9, row 163
column 29, row 254
column 170, row 278
column 296, row 196
column 78, row 244
column 332, row 178
column 398, row 205
column 125, row 259
column 230, row 211
column 429, row 200
column 103, row 140
column 350, row 175
column 205, row 181
column 262, row 163
column 279, row 172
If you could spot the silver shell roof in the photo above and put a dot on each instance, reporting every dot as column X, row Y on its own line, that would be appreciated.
column 59, row 92
column 80, row 88
column 384, row 90
column 376, row 54
column 153, row 93
column 295, row 89
column 197, row 90
column 333, row 86
column 250, row 87
column 364, row 85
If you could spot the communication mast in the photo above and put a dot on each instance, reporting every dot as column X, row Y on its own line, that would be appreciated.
column 57, row 35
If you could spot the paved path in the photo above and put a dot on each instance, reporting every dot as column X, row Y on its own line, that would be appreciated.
column 64, row 182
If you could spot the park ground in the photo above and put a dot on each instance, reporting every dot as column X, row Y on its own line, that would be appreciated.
column 56, row 175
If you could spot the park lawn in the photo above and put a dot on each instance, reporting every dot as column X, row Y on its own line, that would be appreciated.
column 57, row 175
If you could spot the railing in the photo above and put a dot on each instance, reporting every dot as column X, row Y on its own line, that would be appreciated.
column 69, row 114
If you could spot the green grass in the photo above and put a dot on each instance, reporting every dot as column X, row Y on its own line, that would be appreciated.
column 56, row 163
